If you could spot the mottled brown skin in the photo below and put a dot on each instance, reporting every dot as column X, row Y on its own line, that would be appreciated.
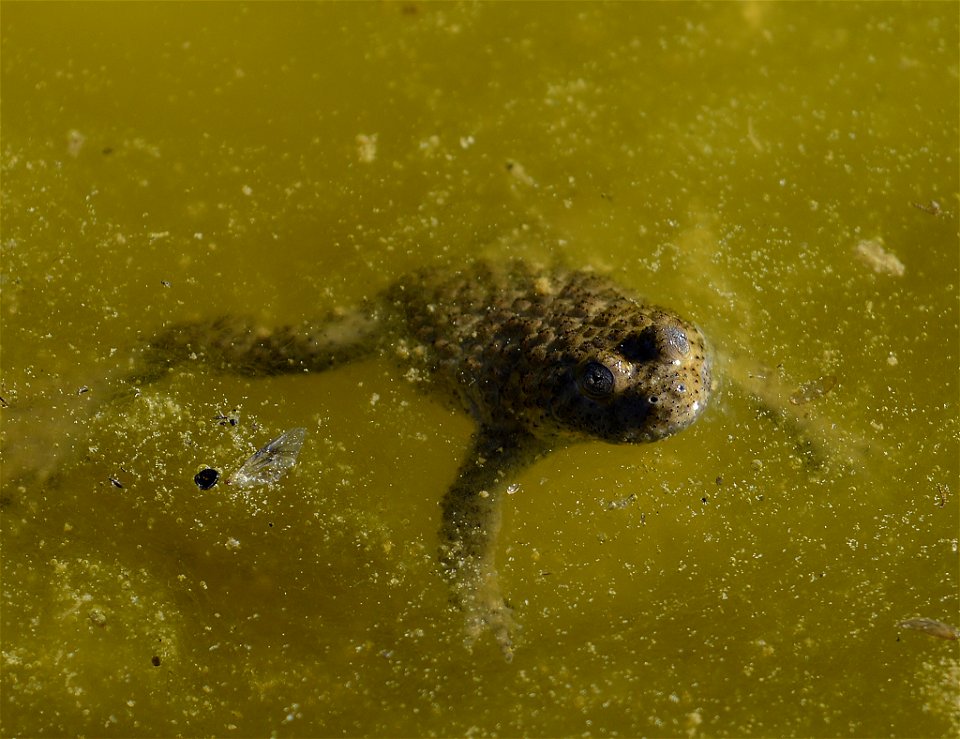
column 539, row 359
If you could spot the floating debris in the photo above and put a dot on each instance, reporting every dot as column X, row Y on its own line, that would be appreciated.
column 116, row 483
column 516, row 169
column 933, row 207
column 616, row 505
column 207, row 478
column 932, row 627
column 97, row 617
column 366, row 147
column 75, row 142
column 813, row 390
column 873, row 253
column 269, row 463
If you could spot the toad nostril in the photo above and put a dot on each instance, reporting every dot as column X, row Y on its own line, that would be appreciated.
column 640, row 347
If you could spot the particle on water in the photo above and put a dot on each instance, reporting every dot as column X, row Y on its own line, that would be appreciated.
column 206, row 478
column 875, row 256
column 366, row 147
column 813, row 390
column 75, row 142
column 155, row 661
column 932, row 627
column 520, row 174
column 619, row 504
column 98, row 617
column 932, row 207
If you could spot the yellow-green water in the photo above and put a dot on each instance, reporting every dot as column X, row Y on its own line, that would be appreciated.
column 163, row 162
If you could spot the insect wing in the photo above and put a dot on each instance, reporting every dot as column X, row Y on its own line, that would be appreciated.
column 269, row 463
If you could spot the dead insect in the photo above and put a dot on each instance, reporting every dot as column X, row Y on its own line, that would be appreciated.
column 269, row 463
column 231, row 419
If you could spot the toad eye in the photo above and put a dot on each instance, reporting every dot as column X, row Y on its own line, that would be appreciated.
column 676, row 345
column 596, row 381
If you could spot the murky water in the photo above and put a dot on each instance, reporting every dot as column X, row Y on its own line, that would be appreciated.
column 784, row 175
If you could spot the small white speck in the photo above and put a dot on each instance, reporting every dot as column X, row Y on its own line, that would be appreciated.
column 75, row 141
column 366, row 147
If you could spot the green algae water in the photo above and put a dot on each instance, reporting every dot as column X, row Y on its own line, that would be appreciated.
column 784, row 175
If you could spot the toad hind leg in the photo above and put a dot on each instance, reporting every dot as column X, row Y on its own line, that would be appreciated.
column 237, row 346
column 471, row 523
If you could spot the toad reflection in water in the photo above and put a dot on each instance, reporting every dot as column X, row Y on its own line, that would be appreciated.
column 540, row 359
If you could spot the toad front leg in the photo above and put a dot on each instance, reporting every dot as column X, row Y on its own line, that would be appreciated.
column 471, row 523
